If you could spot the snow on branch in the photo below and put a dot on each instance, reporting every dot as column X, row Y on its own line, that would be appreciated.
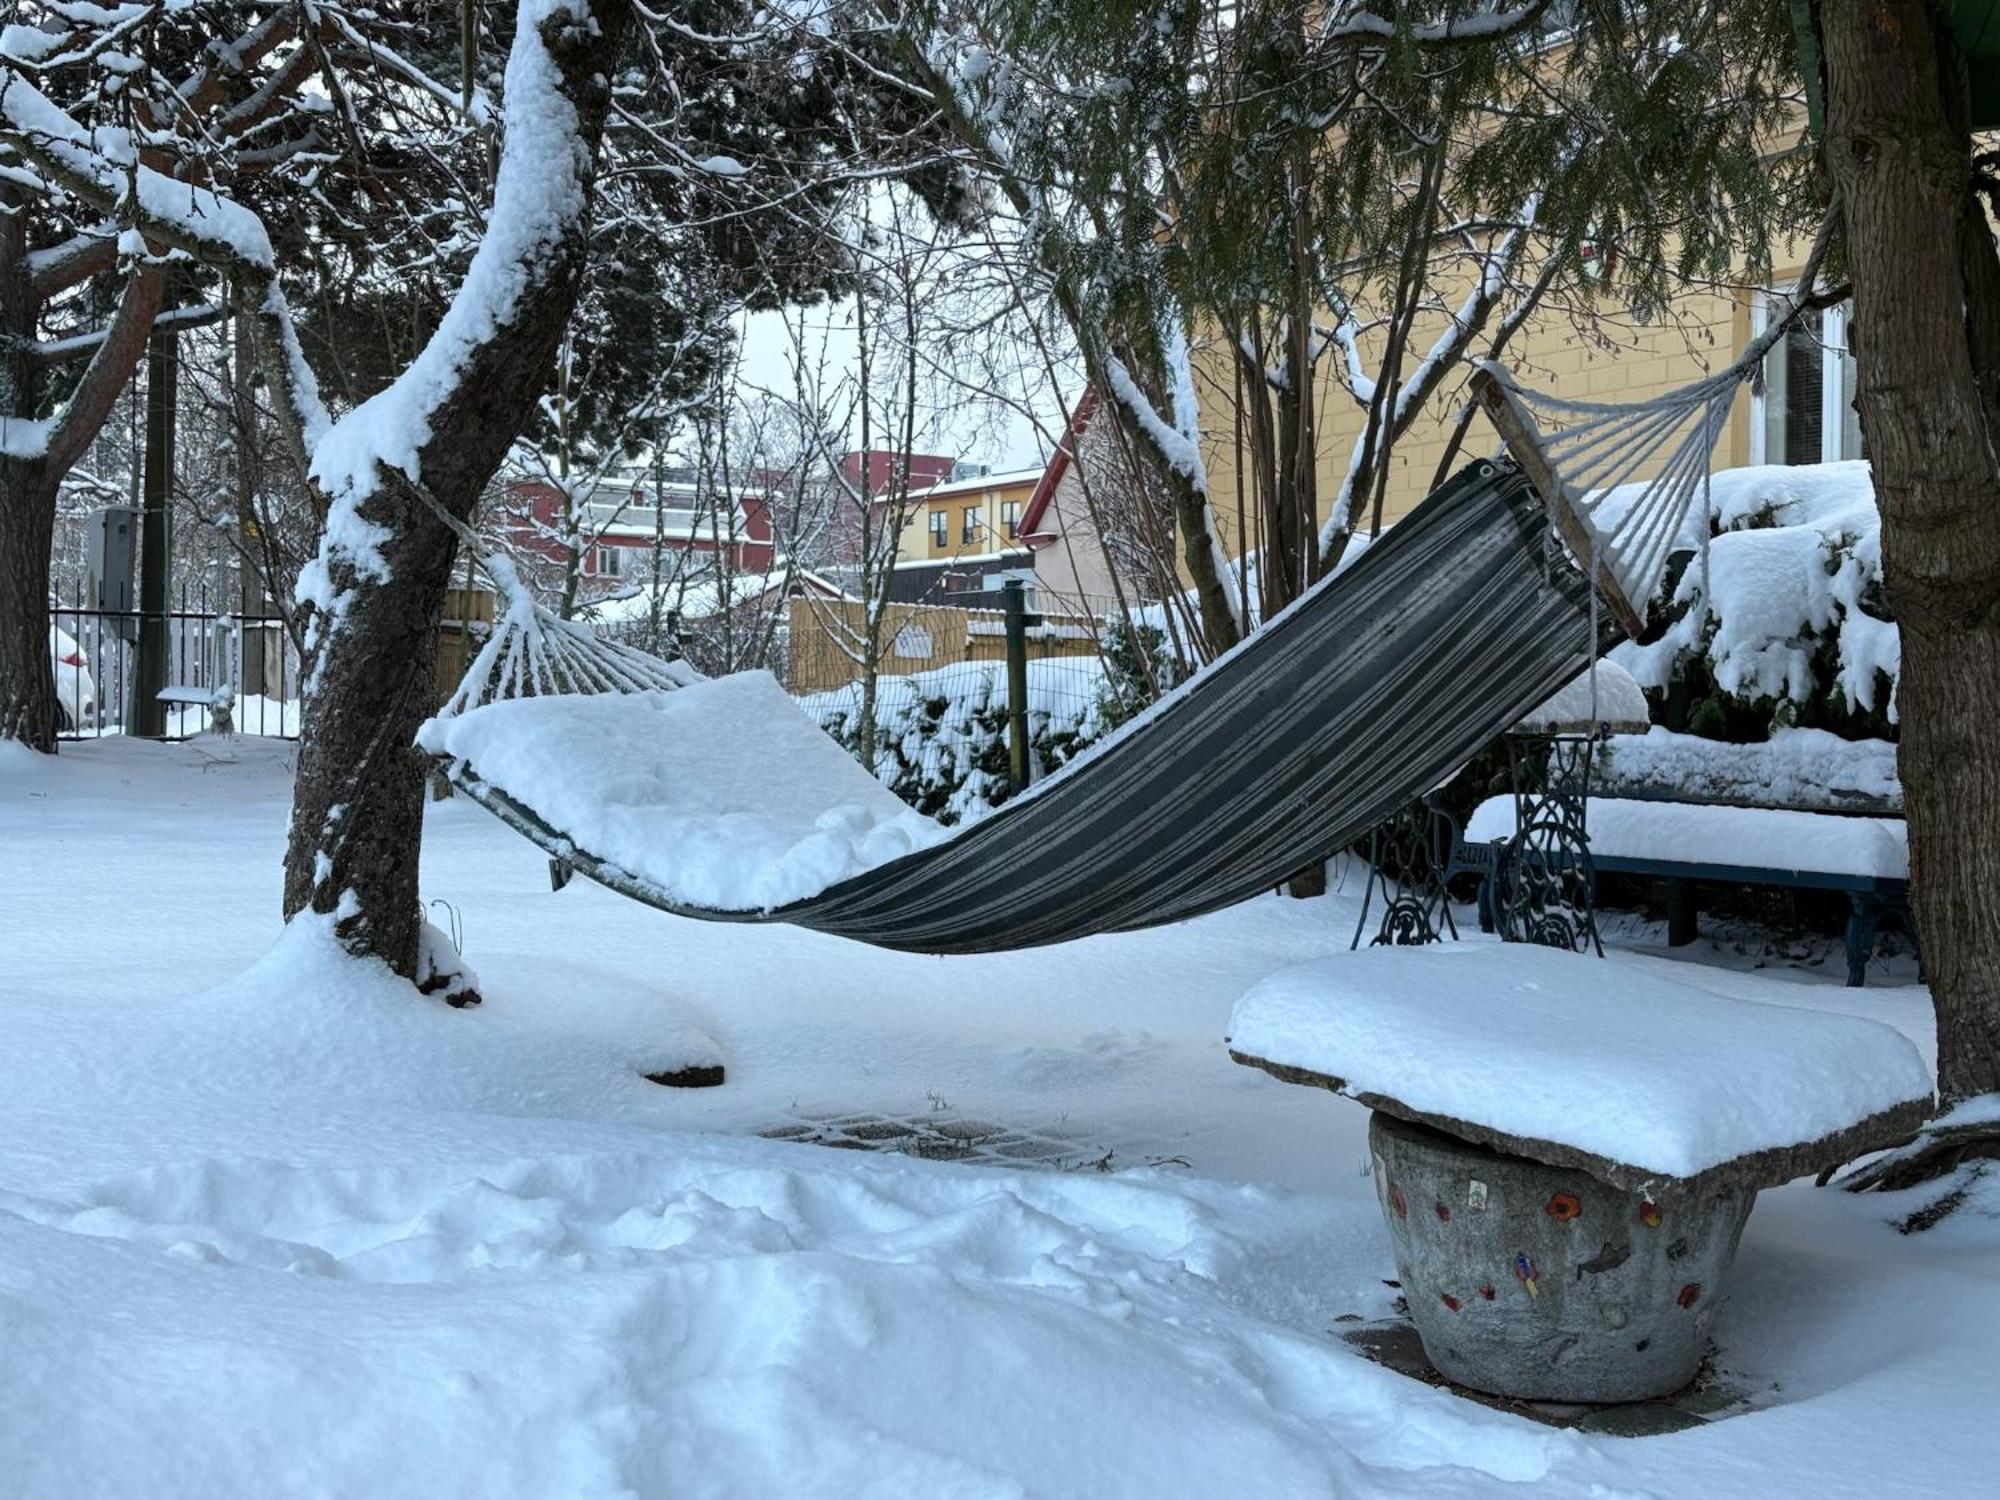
column 1482, row 26
column 1445, row 351
column 1180, row 455
column 478, row 109
column 1346, row 336
column 102, row 169
column 1178, row 440
column 539, row 197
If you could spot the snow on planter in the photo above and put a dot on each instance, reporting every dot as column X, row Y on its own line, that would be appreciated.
column 1752, row 838
column 722, row 795
column 1641, row 1081
column 1604, row 693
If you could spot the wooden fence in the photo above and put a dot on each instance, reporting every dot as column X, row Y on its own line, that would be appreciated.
column 467, row 617
column 825, row 646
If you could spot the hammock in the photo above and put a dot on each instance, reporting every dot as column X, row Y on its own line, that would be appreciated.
column 1372, row 688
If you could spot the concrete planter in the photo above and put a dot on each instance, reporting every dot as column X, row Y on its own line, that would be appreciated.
column 1544, row 1283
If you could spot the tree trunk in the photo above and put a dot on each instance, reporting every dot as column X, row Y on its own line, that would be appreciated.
column 357, row 818
column 27, row 509
column 27, row 679
column 1902, row 162
column 1192, row 520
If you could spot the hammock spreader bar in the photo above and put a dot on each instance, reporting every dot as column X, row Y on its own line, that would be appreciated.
column 1519, row 431
column 1371, row 689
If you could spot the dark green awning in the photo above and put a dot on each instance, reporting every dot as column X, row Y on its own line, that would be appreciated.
column 1975, row 27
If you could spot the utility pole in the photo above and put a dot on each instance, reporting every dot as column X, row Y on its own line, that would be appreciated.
column 253, row 607
column 155, row 539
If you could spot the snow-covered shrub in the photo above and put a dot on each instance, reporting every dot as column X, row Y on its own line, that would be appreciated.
column 1139, row 665
column 1789, row 626
column 941, row 736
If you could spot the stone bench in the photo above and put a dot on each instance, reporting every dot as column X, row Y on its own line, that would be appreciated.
column 1566, row 1149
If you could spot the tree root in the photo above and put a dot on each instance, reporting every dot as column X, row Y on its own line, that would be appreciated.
column 1961, row 1141
column 441, row 970
column 1946, row 1203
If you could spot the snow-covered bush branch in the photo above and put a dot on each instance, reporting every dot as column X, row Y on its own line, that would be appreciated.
column 1787, row 624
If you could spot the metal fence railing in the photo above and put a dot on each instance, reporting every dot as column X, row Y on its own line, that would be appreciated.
column 249, row 659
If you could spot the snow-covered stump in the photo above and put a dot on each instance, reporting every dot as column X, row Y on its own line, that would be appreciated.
column 1567, row 1149
column 1544, row 1283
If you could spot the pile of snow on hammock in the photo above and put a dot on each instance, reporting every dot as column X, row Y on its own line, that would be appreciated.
column 722, row 794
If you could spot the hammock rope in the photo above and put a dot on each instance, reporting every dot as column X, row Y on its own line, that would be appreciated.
column 1621, row 478
column 531, row 652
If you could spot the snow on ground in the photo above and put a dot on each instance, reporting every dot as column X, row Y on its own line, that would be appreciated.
column 1602, row 693
column 270, row 1227
column 250, row 713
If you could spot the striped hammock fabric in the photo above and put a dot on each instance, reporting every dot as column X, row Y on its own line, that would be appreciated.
column 1371, row 689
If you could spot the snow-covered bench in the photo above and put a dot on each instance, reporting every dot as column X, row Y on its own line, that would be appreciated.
column 1867, row 858
column 1572, row 1144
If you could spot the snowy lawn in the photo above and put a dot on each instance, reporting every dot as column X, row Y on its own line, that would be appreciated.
column 269, row 1226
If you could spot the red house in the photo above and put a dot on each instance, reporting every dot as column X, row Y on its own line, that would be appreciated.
column 622, row 523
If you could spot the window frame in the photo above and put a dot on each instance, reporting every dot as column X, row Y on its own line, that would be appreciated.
column 974, row 522
column 1835, row 417
column 940, row 528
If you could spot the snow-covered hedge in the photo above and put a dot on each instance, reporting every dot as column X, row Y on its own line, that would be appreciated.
column 1803, row 768
column 941, row 736
column 1789, row 627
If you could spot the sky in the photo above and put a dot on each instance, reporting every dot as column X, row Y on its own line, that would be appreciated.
column 965, row 426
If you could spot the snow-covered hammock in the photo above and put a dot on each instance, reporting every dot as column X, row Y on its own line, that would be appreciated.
column 720, row 800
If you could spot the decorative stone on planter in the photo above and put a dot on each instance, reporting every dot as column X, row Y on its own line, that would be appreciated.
column 1566, row 1149
column 1543, row 1283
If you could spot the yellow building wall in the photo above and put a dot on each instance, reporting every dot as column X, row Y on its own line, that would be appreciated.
column 991, row 535
column 1613, row 358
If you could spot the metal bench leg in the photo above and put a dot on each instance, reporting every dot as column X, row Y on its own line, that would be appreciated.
column 1681, row 925
column 1862, row 914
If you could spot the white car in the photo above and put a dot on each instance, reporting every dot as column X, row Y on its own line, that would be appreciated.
column 76, row 689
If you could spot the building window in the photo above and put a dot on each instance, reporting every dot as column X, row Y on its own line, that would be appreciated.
column 1804, row 413
column 972, row 524
column 608, row 562
column 1010, row 514
column 940, row 528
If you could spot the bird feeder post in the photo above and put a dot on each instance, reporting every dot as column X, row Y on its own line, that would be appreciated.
column 1015, row 603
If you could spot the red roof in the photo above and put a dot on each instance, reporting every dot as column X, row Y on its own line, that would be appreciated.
column 1059, row 461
